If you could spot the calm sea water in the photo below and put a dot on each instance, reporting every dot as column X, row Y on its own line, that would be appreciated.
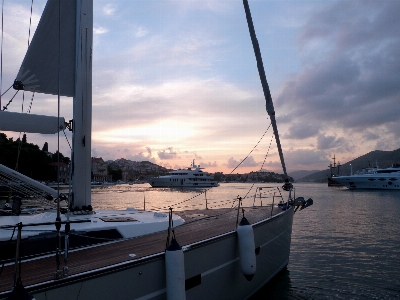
column 345, row 246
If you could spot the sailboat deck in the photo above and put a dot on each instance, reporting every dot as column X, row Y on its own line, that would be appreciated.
column 200, row 225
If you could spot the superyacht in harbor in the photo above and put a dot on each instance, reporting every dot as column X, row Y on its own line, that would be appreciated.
column 372, row 178
column 192, row 176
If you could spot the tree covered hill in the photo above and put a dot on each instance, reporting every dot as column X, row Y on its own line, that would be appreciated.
column 27, row 158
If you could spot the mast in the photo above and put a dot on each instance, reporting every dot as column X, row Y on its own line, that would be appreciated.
column 82, row 105
column 268, row 99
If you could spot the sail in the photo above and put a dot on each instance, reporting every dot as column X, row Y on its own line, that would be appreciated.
column 52, row 49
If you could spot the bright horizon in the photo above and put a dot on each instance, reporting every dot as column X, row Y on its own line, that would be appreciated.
column 177, row 80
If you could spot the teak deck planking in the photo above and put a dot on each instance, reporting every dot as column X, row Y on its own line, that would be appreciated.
column 200, row 225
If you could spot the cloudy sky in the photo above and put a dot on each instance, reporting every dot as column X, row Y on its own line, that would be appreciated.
column 176, row 80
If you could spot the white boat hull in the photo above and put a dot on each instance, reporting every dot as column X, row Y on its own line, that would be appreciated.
column 388, row 181
column 159, row 182
column 212, row 269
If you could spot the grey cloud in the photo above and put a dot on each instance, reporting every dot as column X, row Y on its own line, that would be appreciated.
column 370, row 136
column 354, row 22
column 148, row 149
column 141, row 157
column 353, row 84
column 325, row 142
column 301, row 131
column 249, row 162
column 305, row 158
column 209, row 164
column 167, row 154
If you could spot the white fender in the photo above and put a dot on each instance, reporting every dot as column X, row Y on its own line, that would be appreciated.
column 175, row 272
column 247, row 254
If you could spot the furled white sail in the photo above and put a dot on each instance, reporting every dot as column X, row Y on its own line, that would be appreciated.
column 20, row 122
column 52, row 49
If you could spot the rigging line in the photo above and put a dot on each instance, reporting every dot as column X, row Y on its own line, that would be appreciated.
column 67, row 139
column 251, row 150
column 20, row 143
column 23, row 95
column 269, row 147
column 191, row 198
column 229, row 173
column 58, row 216
column 23, row 100
column 265, row 157
column 29, row 36
column 1, row 51
column 249, row 191
column 19, row 151
column 9, row 102
column 30, row 104
column 30, row 23
column 5, row 92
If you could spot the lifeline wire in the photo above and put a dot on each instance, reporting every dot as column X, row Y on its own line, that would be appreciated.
column 173, row 205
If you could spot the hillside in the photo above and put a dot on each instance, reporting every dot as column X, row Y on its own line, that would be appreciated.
column 296, row 175
column 384, row 159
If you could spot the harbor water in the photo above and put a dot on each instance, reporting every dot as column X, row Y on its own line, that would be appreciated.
column 345, row 246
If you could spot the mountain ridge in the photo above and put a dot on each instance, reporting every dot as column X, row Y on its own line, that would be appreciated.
column 384, row 159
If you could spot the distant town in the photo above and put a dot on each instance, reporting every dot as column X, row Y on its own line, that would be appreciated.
column 130, row 171
column 40, row 164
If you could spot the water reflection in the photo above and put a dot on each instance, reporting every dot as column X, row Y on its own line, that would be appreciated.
column 280, row 287
column 344, row 246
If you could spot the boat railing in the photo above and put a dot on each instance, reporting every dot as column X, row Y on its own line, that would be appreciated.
column 20, row 225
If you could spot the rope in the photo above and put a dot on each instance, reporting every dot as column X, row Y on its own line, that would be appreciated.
column 5, row 91
column 1, row 50
column 9, row 102
column 58, row 218
column 23, row 95
column 30, row 23
column 195, row 196
column 67, row 140
column 30, row 104
column 251, row 150
column 265, row 157
column 19, row 151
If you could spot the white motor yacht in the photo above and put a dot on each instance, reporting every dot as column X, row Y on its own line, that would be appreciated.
column 192, row 176
column 372, row 178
